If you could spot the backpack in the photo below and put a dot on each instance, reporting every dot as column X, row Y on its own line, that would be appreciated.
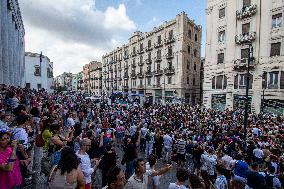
column 269, row 181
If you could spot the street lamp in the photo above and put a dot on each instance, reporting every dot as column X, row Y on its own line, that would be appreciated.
column 247, row 96
column 263, row 90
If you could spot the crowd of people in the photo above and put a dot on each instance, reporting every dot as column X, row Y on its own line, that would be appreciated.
column 76, row 143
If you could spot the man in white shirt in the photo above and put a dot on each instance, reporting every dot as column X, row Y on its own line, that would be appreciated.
column 168, row 142
column 85, row 160
column 140, row 179
column 258, row 154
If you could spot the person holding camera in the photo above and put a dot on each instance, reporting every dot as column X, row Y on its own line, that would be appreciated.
column 10, row 174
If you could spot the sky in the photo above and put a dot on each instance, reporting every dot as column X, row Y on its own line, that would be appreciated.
column 74, row 32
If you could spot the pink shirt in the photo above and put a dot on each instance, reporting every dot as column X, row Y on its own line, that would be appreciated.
column 9, row 179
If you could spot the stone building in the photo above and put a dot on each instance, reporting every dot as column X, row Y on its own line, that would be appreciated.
column 162, row 64
column 80, row 83
column 64, row 82
column 38, row 73
column 92, row 78
column 12, row 47
column 96, row 78
column 231, row 26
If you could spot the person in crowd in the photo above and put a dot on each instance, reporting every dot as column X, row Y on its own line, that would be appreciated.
column 10, row 174
column 150, row 139
column 254, row 178
column 240, row 168
column 195, row 182
column 115, row 178
column 140, row 179
column 67, row 174
column 221, row 181
column 168, row 142
column 86, row 162
column 182, row 176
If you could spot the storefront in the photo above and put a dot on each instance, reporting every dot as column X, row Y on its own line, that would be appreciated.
column 240, row 102
column 218, row 102
column 274, row 106
column 169, row 96
column 158, row 96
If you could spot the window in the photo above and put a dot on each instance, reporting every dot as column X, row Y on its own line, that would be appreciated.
column 37, row 71
column 275, row 49
column 195, row 37
column 194, row 66
column 134, row 50
column 220, row 58
column 219, row 82
column 236, row 82
column 149, row 44
column 141, row 82
column 170, row 51
column 188, row 65
column 246, row 3
column 187, row 80
column 169, row 80
column 158, row 81
column 28, row 85
column 282, row 80
column 195, row 53
column 189, row 33
column 141, row 59
column 38, row 86
column 141, row 46
column 273, row 80
column 213, row 82
column 171, row 34
column 170, row 64
column 221, row 36
column 243, row 81
column 159, row 53
column 188, row 49
column 193, row 81
column 222, row 13
column 149, row 56
column 149, row 81
column 244, row 55
column 245, row 28
column 158, row 66
column 277, row 20
column 264, row 80
column 225, row 82
column 159, row 39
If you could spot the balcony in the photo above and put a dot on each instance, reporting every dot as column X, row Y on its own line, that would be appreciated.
column 148, row 48
column 158, row 72
column 133, row 65
column 140, row 63
column 133, row 76
column 126, row 77
column 110, row 70
column 158, row 59
column 158, row 86
column 148, row 61
column 112, row 62
column 105, row 72
column 119, row 68
column 159, row 44
column 169, row 55
column 169, row 40
column 148, row 73
column 140, row 87
column 133, row 54
column 125, row 57
column 126, row 67
column 126, row 87
column 246, row 12
column 140, row 51
column 245, row 38
column 109, row 80
column 140, row 75
column 169, row 71
column 241, row 64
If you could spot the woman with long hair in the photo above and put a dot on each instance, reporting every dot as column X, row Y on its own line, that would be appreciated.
column 67, row 174
column 10, row 174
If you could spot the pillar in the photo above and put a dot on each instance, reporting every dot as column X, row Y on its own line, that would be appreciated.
column 10, row 49
column 4, row 41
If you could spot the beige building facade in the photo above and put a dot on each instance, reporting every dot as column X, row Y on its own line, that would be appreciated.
column 162, row 64
column 231, row 26
column 92, row 78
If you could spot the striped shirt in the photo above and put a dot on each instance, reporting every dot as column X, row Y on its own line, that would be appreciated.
column 180, row 146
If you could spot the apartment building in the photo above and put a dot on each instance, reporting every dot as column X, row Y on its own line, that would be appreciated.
column 92, row 77
column 232, row 25
column 162, row 64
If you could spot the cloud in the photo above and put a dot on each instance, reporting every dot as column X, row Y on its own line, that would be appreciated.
column 73, row 32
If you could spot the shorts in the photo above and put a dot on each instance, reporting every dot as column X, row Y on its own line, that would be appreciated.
column 120, row 135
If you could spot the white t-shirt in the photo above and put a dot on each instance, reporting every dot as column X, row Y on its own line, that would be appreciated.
column 175, row 186
column 258, row 153
column 86, row 166
column 21, row 134
column 70, row 122
column 168, row 141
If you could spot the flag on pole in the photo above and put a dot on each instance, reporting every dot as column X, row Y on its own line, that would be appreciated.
column 40, row 61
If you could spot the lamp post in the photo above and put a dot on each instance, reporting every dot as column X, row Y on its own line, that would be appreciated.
column 247, row 96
